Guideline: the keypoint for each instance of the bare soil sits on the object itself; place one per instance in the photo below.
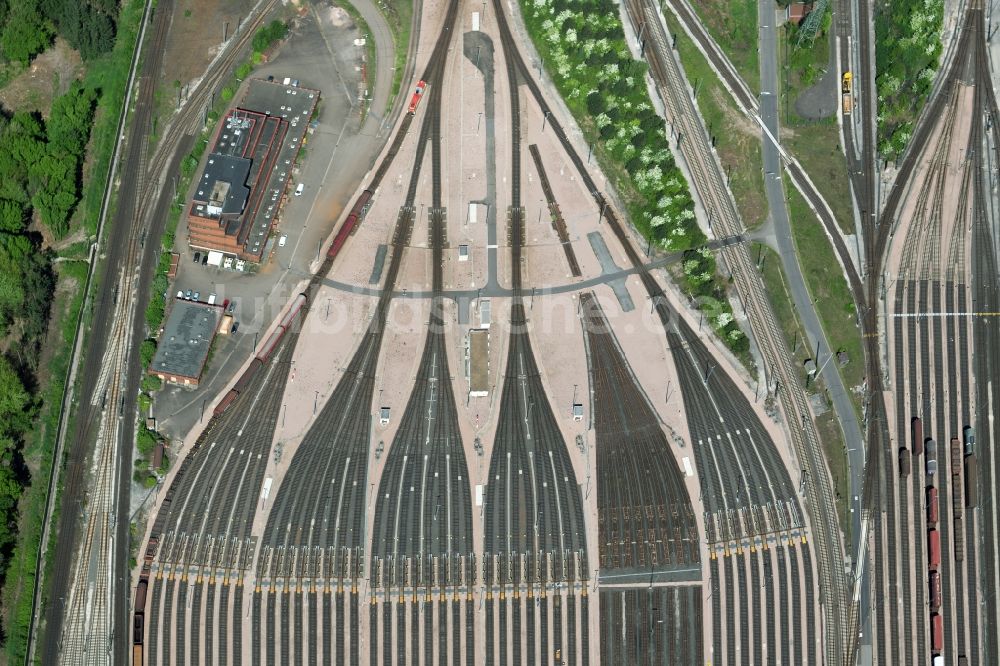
(196, 34)
(49, 76)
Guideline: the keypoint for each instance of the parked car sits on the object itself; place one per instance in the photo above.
(197, 296)
(180, 294)
(204, 259)
(236, 326)
(282, 240)
(197, 257)
(232, 306)
(228, 263)
(187, 295)
(225, 304)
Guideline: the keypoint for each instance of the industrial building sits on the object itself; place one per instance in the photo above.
(187, 337)
(244, 182)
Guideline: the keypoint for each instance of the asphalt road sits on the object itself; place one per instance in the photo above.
(773, 185)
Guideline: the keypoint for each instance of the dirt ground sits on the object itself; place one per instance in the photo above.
(197, 32)
(49, 76)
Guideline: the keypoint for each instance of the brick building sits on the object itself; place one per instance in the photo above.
(245, 178)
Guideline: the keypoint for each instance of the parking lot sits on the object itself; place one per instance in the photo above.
(321, 54)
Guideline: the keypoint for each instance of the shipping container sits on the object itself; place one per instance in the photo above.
(933, 549)
(917, 432)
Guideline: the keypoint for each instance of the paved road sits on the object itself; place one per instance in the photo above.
(773, 185)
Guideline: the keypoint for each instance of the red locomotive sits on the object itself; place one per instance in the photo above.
(416, 96)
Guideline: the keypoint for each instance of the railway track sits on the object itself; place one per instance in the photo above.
(710, 184)
(558, 223)
(84, 630)
(320, 537)
(535, 540)
(422, 534)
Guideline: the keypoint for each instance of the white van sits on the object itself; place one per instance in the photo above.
(299, 189)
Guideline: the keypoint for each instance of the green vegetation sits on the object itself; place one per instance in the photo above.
(816, 143)
(29, 25)
(268, 35)
(38, 448)
(827, 424)
(829, 290)
(370, 53)
(399, 15)
(733, 26)
(907, 54)
(52, 175)
(583, 46)
(737, 140)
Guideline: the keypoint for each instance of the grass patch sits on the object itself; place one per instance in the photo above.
(733, 26)
(816, 143)
(817, 147)
(399, 15)
(828, 288)
(737, 140)
(827, 425)
(39, 448)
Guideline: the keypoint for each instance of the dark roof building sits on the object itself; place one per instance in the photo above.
(242, 187)
(187, 336)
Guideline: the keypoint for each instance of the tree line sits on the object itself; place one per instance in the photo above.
(30, 25)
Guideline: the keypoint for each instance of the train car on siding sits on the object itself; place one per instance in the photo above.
(933, 549)
(417, 94)
(930, 451)
(937, 633)
(140, 596)
(969, 434)
(971, 485)
(935, 590)
(917, 433)
(904, 462)
(293, 312)
(136, 655)
(224, 405)
(932, 506)
(357, 213)
(959, 538)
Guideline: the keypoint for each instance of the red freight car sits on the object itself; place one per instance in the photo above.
(935, 587)
(932, 506)
(933, 548)
(417, 94)
(228, 400)
(937, 633)
(360, 206)
(917, 431)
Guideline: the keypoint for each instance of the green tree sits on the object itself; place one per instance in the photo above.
(26, 33)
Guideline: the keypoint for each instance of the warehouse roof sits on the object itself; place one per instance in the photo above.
(186, 338)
